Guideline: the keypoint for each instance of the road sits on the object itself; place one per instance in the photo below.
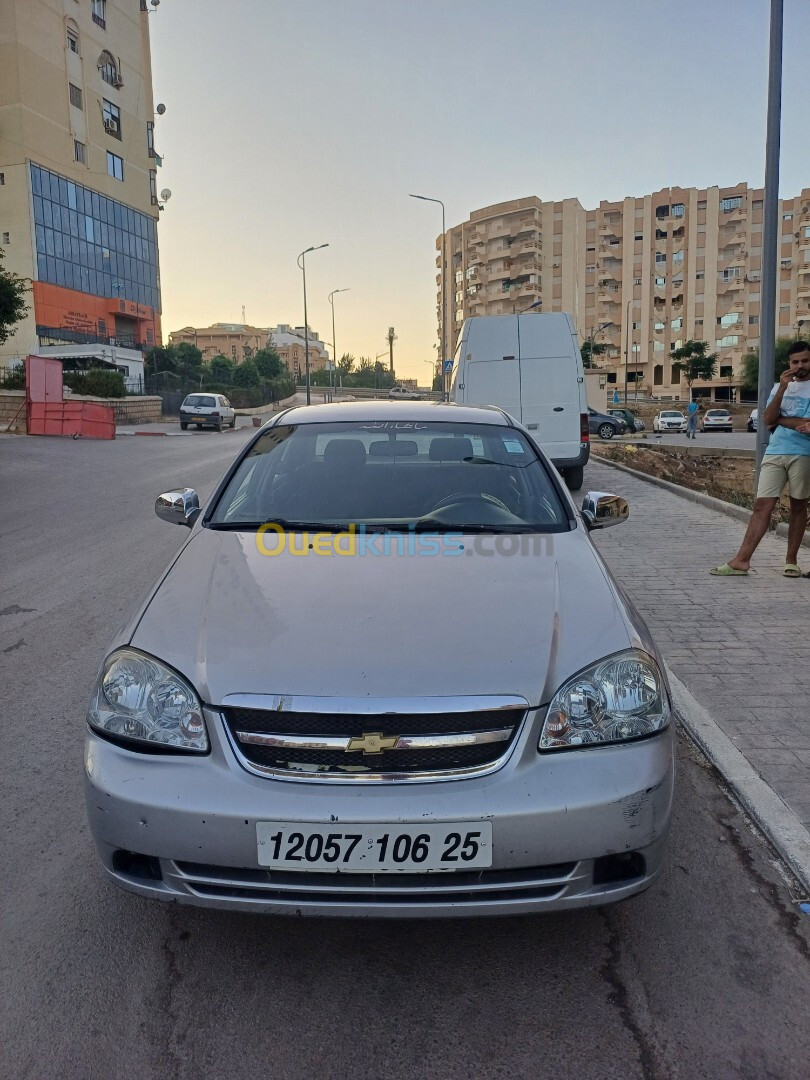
(735, 440)
(706, 975)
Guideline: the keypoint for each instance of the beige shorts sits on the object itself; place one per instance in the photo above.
(778, 470)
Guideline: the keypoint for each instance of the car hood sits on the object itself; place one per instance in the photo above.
(233, 620)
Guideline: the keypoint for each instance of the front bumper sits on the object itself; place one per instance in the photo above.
(191, 822)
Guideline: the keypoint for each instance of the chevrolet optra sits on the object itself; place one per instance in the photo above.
(387, 674)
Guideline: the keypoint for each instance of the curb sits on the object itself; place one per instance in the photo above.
(789, 838)
(709, 501)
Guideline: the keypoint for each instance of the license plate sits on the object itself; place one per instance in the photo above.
(375, 849)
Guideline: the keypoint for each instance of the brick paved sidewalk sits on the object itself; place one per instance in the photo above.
(740, 645)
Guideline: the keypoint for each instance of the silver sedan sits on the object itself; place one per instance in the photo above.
(388, 674)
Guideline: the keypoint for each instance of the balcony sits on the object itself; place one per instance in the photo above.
(97, 19)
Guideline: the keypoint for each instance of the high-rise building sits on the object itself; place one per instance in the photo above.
(78, 177)
(640, 276)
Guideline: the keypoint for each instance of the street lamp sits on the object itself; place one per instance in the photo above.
(334, 347)
(537, 303)
(427, 198)
(593, 333)
(302, 264)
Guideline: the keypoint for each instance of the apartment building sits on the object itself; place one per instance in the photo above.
(237, 341)
(642, 276)
(288, 341)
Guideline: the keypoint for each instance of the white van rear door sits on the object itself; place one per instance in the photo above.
(551, 403)
(493, 382)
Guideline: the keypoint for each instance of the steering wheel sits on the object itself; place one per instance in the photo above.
(460, 498)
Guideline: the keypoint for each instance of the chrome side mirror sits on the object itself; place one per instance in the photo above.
(178, 507)
(601, 509)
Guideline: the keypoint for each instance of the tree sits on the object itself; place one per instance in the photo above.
(13, 307)
(750, 364)
(695, 362)
(346, 364)
(591, 349)
(188, 358)
(268, 363)
(222, 369)
(246, 374)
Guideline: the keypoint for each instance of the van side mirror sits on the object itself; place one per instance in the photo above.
(178, 507)
(601, 509)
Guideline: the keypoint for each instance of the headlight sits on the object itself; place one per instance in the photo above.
(138, 698)
(620, 698)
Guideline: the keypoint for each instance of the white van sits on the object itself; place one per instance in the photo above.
(530, 366)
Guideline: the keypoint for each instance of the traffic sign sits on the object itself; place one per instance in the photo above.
(447, 365)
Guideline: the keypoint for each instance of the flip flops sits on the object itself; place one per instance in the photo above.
(727, 571)
(792, 570)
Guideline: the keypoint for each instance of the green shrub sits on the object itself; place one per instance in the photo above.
(98, 382)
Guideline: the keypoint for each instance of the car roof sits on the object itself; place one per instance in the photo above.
(435, 411)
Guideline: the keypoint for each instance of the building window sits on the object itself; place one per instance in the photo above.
(109, 69)
(730, 203)
(660, 257)
(636, 325)
(75, 96)
(658, 346)
(678, 210)
(658, 375)
(787, 217)
(662, 211)
(756, 204)
(677, 257)
(6, 237)
(726, 371)
(639, 236)
(79, 152)
(636, 348)
(153, 186)
(73, 41)
(674, 375)
(700, 275)
(701, 204)
(729, 320)
(698, 322)
(636, 280)
(99, 11)
(806, 232)
(676, 324)
(660, 282)
(731, 272)
(115, 166)
(753, 320)
(658, 325)
(727, 341)
(112, 118)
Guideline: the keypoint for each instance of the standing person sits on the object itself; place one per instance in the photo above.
(786, 462)
(691, 419)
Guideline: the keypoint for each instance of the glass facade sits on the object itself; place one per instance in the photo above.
(93, 244)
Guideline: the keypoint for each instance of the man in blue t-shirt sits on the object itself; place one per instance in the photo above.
(691, 419)
(786, 463)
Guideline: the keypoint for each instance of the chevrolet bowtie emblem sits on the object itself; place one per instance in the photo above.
(373, 742)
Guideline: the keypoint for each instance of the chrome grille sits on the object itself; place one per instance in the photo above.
(439, 738)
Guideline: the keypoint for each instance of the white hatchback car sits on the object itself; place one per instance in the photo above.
(669, 420)
(403, 393)
(207, 410)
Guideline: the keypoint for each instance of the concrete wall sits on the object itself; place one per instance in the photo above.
(12, 403)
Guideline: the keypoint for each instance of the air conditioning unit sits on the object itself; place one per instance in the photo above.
(111, 127)
(118, 82)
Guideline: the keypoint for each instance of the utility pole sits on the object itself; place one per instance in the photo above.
(628, 324)
(770, 236)
(392, 337)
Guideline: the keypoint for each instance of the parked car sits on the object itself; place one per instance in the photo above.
(717, 420)
(207, 410)
(403, 393)
(752, 420)
(633, 422)
(605, 426)
(669, 420)
(335, 735)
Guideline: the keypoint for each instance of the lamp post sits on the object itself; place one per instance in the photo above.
(537, 303)
(302, 265)
(334, 347)
(427, 198)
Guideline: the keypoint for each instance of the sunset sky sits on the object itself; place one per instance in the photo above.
(296, 124)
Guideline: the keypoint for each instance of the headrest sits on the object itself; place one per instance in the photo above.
(450, 449)
(345, 453)
(398, 448)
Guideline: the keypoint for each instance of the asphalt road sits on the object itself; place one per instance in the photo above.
(706, 975)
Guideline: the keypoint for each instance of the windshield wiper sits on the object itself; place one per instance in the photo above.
(282, 523)
(469, 526)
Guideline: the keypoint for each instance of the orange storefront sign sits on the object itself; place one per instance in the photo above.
(60, 308)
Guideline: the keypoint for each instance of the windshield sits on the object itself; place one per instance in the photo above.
(672, 414)
(200, 400)
(392, 474)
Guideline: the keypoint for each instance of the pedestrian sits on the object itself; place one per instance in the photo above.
(691, 419)
(786, 464)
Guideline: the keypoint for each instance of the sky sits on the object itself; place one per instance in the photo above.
(289, 125)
